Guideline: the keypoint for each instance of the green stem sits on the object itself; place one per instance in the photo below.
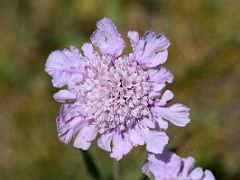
(116, 170)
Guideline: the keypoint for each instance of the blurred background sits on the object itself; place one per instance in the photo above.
(204, 56)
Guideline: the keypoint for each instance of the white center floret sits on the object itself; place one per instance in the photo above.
(116, 93)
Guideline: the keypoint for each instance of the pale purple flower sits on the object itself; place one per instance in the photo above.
(169, 166)
(120, 98)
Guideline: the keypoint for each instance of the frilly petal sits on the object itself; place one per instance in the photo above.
(146, 169)
(92, 56)
(108, 39)
(178, 114)
(161, 123)
(64, 96)
(167, 96)
(80, 143)
(69, 122)
(160, 76)
(66, 67)
(163, 166)
(151, 50)
(121, 146)
(168, 165)
(105, 140)
(197, 173)
(208, 175)
(84, 138)
(135, 137)
(134, 38)
(188, 165)
(155, 141)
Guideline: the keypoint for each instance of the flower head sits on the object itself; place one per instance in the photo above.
(120, 98)
(170, 166)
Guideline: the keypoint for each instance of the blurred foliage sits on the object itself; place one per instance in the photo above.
(204, 56)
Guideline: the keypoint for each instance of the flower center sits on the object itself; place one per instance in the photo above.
(116, 94)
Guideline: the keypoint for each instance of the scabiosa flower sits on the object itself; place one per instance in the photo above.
(120, 98)
(169, 166)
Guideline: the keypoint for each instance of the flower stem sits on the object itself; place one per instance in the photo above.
(116, 170)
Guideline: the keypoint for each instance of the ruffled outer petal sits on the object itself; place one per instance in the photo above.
(136, 137)
(177, 114)
(188, 165)
(90, 54)
(104, 141)
(85, 137)
(64, 96)
(151, 50)
(208, 175)
(155, 140)
(69, 122)
(108, 39)
(160, 76)
(121, 146)
(197, 173)
(189, 172)
(170, 166)
(134, 38)
(162, 166)
(167, 96)
(122, 143)
(66, 67)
